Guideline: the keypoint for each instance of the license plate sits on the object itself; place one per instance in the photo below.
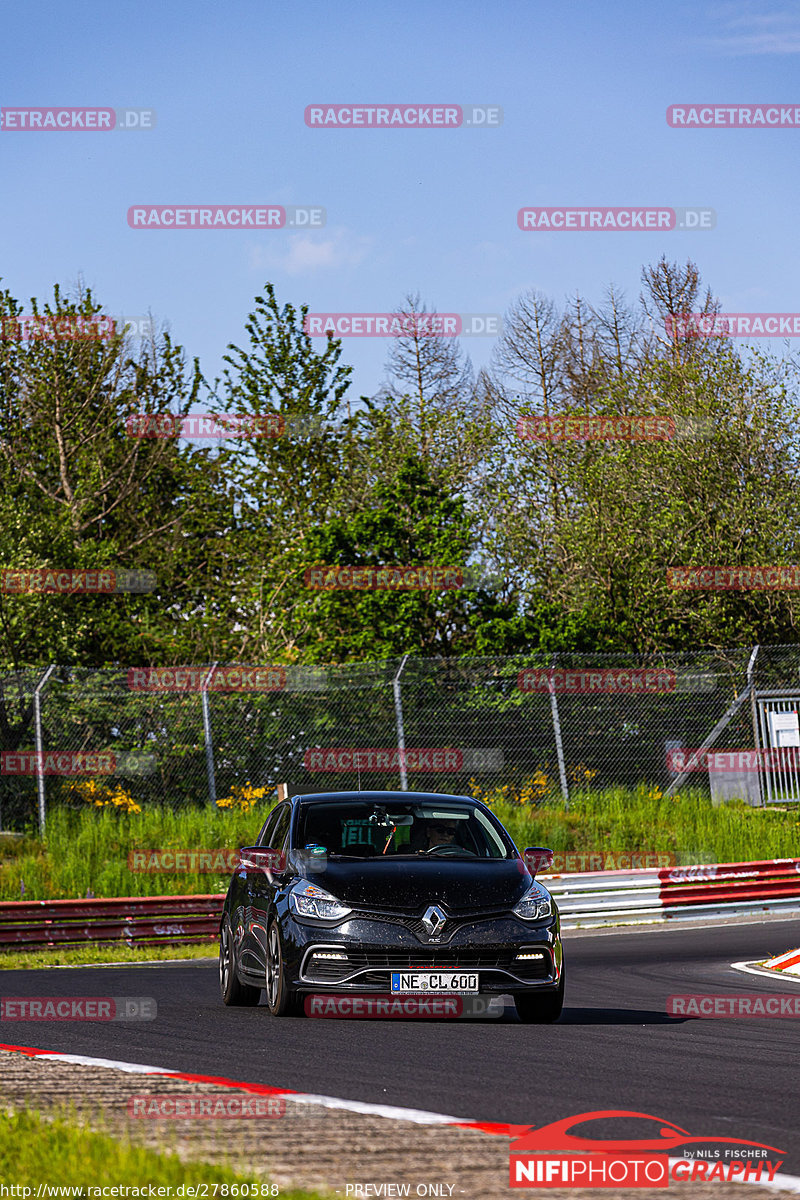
(459, 982)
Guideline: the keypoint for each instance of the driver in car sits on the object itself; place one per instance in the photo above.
(438, 832)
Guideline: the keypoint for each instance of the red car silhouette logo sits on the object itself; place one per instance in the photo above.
(529, 1139)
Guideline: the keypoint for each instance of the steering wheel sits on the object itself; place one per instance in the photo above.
(452, 847)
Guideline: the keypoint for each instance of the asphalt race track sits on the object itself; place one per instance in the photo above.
(614, 1048)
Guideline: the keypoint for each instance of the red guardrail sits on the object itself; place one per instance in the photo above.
(763, 880)
(133, 920)
(172, 920)
(623, 897)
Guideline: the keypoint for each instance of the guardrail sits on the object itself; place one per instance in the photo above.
(597, 898)
(587, 900)
(133, 920)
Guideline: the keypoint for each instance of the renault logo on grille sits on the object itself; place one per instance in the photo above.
(434, 920)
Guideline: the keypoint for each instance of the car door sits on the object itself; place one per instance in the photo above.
(243, 917)
(261, 888)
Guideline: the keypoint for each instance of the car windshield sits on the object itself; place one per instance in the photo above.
(365, 829)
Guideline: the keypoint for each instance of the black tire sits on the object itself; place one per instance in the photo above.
(281, 1000)
(233, 992)
(543, 1008)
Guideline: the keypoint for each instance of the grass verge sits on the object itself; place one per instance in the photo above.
(34, 1151)
(16, 960)
(620, 820)
(87, 850)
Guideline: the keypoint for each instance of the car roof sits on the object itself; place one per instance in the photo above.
(352, 794)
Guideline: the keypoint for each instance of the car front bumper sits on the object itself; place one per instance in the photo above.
(359, 955)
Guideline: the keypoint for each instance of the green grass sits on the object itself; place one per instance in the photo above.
(688, 826)
(58, 1152)
(88, 850)
(76, 956)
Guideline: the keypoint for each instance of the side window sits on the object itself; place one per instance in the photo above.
(282, 828)
(269, 825)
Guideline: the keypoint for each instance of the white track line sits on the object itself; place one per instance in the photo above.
(418, 1116)
(83, 1060)
(752, 968)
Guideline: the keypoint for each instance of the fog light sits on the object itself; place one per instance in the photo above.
(329, 954)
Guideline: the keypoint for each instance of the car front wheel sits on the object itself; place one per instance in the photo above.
(233, 992)
(542, 1008)
(281, 1000)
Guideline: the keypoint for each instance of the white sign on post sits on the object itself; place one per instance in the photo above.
(784, 729)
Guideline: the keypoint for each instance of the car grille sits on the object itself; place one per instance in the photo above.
(373, 965)
(412, 921)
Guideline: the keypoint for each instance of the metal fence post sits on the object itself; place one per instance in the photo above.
(562, 770)
(212, 784)
(401, 737)
(37, 726)
(763, 777)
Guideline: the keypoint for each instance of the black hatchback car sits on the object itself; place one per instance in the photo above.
(397, 893)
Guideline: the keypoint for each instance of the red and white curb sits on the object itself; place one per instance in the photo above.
(418, 1116)
(788, 963)
(784, 966)
(786, 1183)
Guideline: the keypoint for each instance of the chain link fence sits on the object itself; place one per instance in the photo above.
(551, 723)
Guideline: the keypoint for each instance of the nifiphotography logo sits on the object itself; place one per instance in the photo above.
(552, 1156)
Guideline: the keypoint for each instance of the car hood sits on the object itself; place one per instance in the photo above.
(406, 884)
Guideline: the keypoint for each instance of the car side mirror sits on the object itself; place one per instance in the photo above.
(261, 860)
(537, 858)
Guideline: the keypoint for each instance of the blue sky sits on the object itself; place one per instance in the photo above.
(584, 89)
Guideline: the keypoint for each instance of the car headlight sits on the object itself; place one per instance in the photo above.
(535, 905)
(308, 900)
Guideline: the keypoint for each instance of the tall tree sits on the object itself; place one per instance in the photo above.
(78, 489)
(595, 525)
(288, 482)
(408, 520)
